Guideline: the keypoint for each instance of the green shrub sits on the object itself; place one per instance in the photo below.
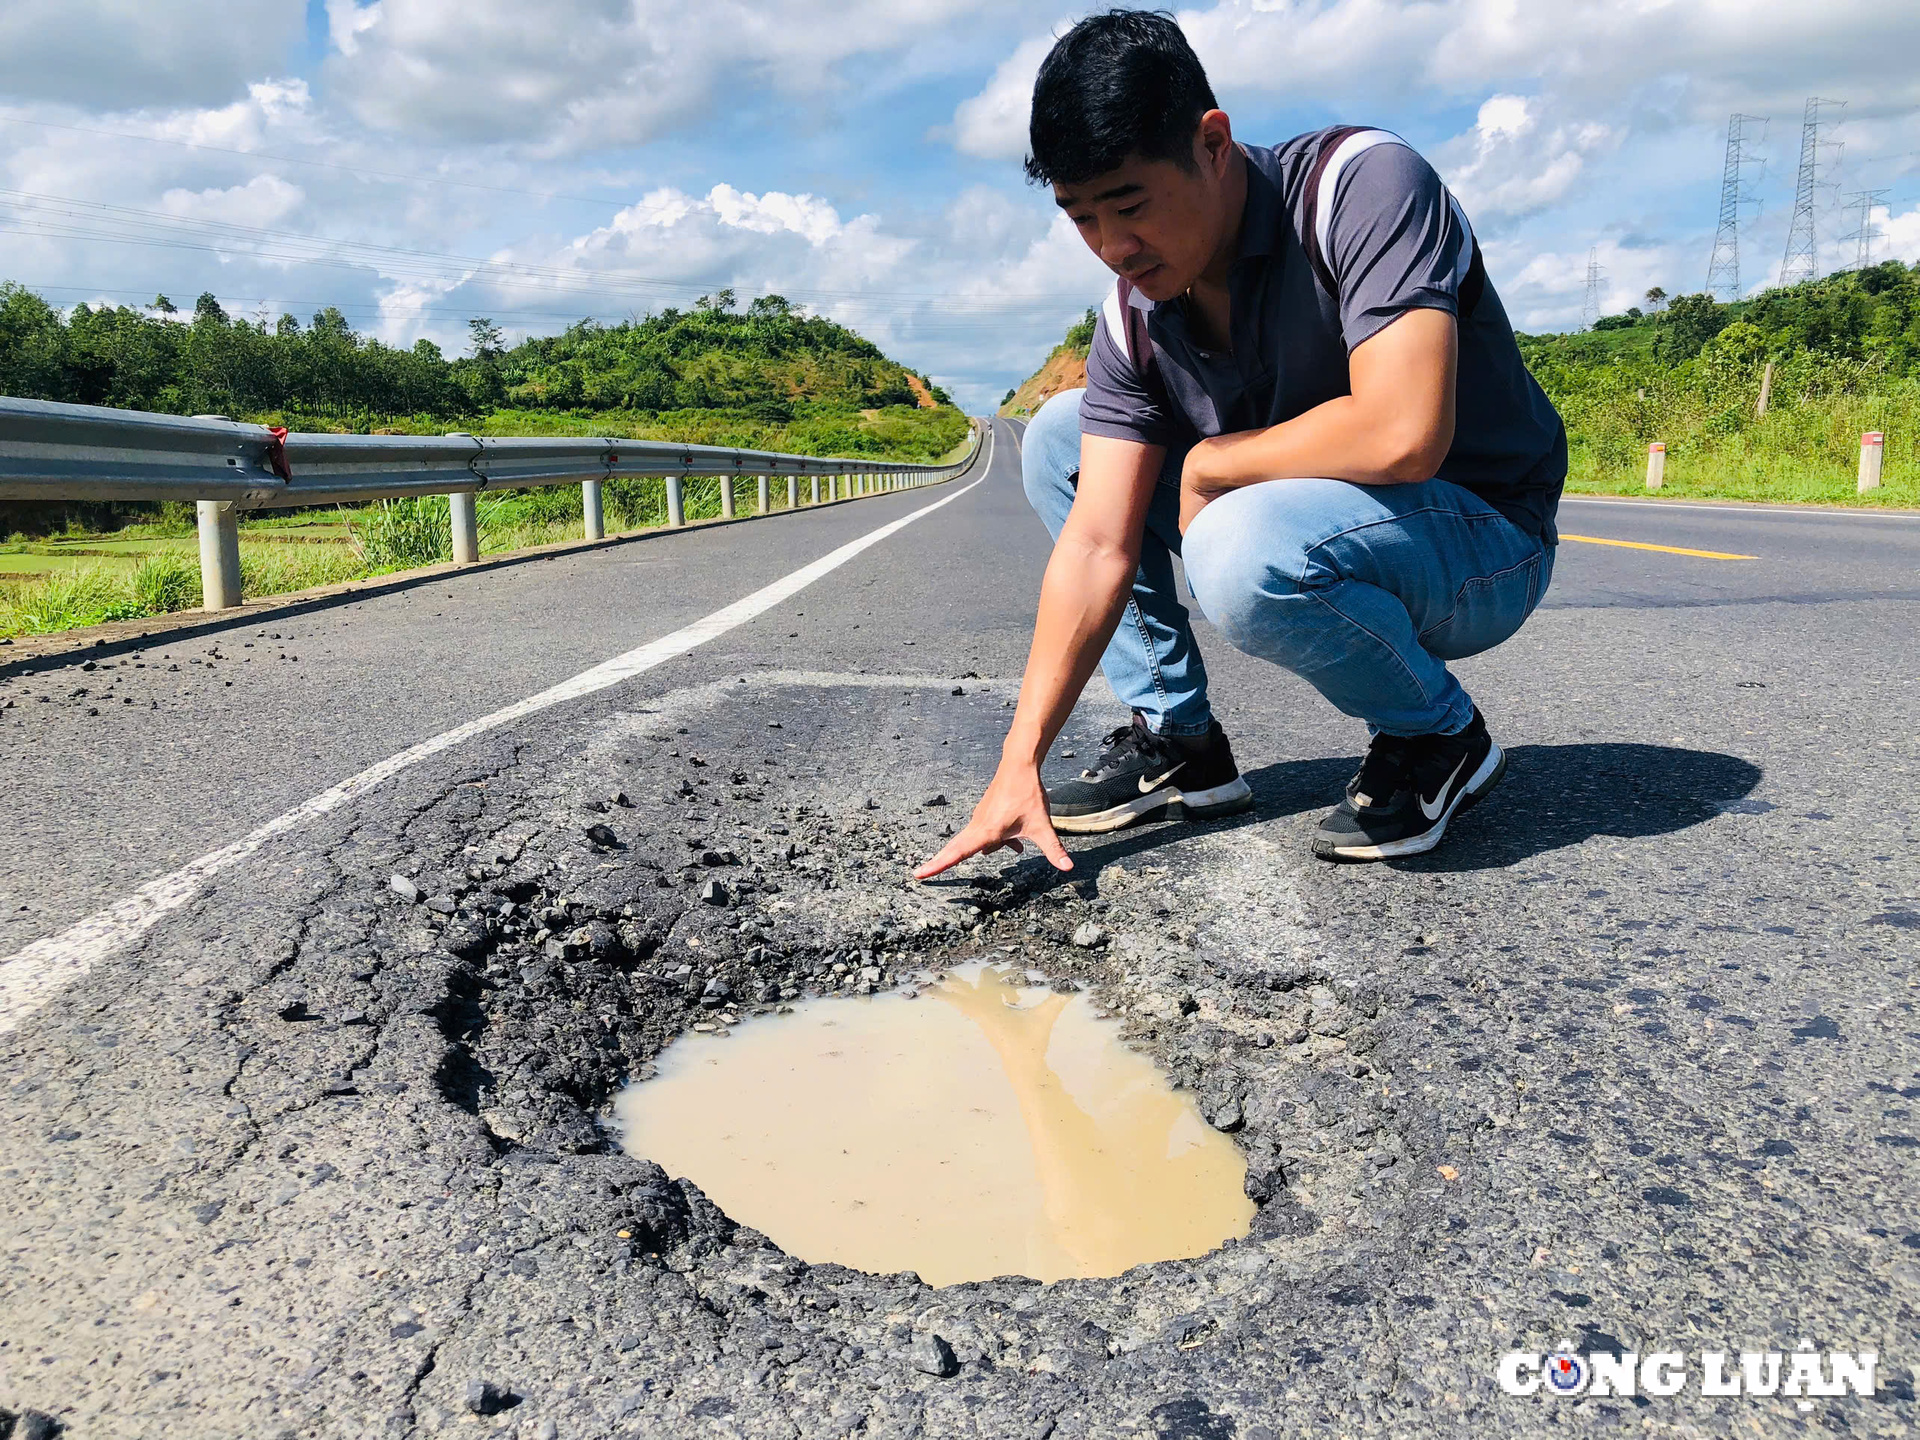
(405, 534)
(65, 599)
(167, 581)
(278, 569)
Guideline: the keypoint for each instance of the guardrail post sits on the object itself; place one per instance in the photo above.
(676, 501)
(466, 527)
(219, 554)
(793, 492)
(816, 491)
(1872, 444)
(590, 507)
(726, 497)
(1656, 465)
(766, 496)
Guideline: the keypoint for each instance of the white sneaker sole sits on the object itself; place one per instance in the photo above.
(1482, 781)
(1236, 795)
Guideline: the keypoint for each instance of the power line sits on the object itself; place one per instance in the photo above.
(1866, 232)
(1723, 269)
(54, 216)
(1802, 259)
(1590, 306)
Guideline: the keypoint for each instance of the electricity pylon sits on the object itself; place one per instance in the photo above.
(1590, 307)
(1802, 259)
(1723, 270)
(1867, 232)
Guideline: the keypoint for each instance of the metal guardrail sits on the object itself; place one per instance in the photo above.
(51, 451)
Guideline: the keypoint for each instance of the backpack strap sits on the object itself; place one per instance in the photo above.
(1127, 323)
(1341, 147)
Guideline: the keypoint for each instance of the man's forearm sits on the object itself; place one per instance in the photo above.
(1081, 597)
(1336, 440)
(1394, 428)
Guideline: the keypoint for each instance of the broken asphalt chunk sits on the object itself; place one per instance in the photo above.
(602, 836)
(406, 889)
(714, 893)
(932, 1355)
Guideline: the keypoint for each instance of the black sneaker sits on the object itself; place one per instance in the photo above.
(1407, 790)
(1141, 774)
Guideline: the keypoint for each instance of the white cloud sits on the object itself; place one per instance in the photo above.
(1546, 290)
(1510, 164)
(993, 124)
(582, 74)
(1763, 49)
(263, 201)
(346, 20)
(126, 53)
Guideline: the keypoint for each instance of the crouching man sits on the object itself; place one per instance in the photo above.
(1303, 385)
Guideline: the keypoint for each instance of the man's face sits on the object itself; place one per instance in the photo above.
(1156, 222)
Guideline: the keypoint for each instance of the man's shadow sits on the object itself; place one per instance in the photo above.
(1553, 796)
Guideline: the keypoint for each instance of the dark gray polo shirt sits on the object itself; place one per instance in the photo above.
(1394, 241)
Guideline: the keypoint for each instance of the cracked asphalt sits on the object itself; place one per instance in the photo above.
(1629, 1063)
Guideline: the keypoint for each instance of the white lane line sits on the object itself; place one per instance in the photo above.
(1761, 510)
(33, 976)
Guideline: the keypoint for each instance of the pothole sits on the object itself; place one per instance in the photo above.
(981, 1126)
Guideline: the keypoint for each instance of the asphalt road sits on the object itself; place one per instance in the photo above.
(1629, 1063)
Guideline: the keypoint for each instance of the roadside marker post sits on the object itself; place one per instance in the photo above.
(466, 527)
(1656, 465)
(1872, 444)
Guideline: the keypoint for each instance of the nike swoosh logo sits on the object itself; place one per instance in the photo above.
(1432, 812)
(1147, 787)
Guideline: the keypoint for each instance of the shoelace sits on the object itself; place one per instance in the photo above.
(1435, 760)
(1383, 773)
(1395, 762)
(1118, 748)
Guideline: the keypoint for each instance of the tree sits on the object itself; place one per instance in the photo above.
(164, 305)
(769, 307)
(486, 338)
(1656, 297)
(1689, 323)
(207, 309)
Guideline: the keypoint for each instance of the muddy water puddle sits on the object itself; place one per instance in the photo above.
(987, 1127)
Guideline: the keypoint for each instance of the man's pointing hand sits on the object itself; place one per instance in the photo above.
(1013, 809)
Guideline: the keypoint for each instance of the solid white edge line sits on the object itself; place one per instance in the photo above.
(1762, 510)
(31, 977)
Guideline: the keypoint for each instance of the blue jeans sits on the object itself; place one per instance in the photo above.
(1364, 591)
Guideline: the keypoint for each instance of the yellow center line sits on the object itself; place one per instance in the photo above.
(1664, 549)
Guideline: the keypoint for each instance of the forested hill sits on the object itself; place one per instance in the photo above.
(1065, 368)
(713, 372)
(1835, 357)
(1870, 317)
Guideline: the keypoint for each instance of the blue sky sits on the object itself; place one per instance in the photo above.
(863, 156)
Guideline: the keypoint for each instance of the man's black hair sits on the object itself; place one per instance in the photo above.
(1117, 85)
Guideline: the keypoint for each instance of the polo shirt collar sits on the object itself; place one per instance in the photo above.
(1260, 220)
